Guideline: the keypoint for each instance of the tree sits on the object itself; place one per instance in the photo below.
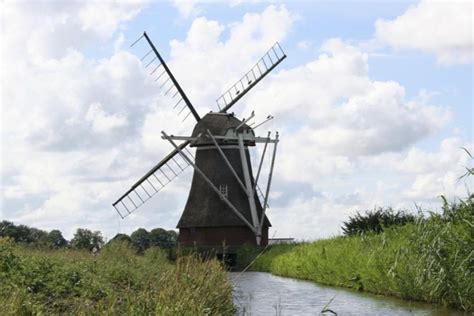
(38, 237)
(6, 228)
(86, 239)
(31, 235)
(121, 237)
(162, 238)
(140, 239)
(55, 239)
(20, 233)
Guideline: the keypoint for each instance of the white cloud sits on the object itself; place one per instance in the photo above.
(408, 180)
(234, 3)
(422, 176)
(53, 113)
(186, 7)
(101, 121)
(104, 18)
(450, 155)
(206, 64)
(315, 216)
(304, 45)
(119, 43)
(37, 31)
(332, 113)
(435, 173)
(66, 113)
(443, 28)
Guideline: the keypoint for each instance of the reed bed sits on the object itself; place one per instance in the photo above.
(115, 281)
(430, 260)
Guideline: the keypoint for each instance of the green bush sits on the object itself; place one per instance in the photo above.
(376, 221)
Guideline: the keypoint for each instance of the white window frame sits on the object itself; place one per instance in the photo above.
(224, 190)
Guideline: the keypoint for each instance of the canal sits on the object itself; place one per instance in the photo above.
(259, 293)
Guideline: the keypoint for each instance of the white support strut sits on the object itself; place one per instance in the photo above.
(245, 121)
(269, 180)
(253, 139)
(261, 162)
(248, 184)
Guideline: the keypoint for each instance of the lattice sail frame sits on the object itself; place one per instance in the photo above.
(272, 58)
(150, 185)
(166, 81)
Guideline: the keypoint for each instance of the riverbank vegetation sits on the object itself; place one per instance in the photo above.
(113, 281)
(424, 258)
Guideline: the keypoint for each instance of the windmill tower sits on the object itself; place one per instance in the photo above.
(225, 203)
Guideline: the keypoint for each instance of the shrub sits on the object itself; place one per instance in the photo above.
(87, 240)
(376, 221)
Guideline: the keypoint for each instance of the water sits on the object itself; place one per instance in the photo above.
(259, 293)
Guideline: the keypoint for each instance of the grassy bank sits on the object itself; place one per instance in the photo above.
(115, 281)
(430, 260)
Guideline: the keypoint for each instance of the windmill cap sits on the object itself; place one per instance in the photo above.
(219, 124)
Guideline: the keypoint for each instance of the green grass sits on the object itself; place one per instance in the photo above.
(431, 260)
(115, 281)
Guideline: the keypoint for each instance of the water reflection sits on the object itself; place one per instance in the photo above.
(258, 293)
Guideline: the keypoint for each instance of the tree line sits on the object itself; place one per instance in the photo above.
(86, 239)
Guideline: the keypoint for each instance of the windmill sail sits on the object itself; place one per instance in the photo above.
(152, 182)
(263, 67)
(166, 80)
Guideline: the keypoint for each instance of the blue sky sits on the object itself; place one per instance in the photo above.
(373, 104)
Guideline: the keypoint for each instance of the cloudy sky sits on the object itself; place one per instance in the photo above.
(372, 104)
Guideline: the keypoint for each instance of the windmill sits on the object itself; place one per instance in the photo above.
(225, 203)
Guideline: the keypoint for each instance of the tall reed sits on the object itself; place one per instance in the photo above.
(430, 260)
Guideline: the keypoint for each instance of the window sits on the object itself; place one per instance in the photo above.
(223, 190)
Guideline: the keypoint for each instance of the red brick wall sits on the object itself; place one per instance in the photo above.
(215, 236)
